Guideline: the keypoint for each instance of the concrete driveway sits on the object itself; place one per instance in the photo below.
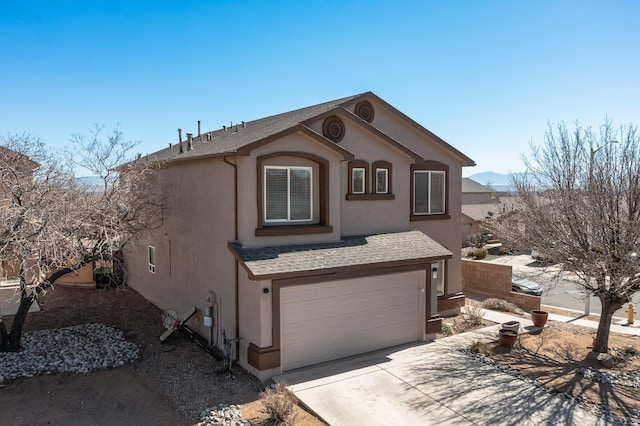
(428, 384)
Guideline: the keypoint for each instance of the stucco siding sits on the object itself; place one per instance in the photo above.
(375, 216)
(247, 191)
(193, 263)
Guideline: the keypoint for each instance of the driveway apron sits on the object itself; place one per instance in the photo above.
(428, 384)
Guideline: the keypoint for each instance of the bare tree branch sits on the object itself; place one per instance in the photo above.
(579, 204)
(51, 225)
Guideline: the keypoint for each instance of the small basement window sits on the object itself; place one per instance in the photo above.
(152, 259)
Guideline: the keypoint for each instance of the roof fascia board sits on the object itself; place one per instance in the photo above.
(372, 96)
(367, 126)
(298, 128)
(320, 272)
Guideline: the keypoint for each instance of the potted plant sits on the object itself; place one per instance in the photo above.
(511, 325)
(507, 338)
(539, 317)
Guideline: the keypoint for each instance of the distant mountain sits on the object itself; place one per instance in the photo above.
(497, 181)
(94, 184)
(491, 178)
(89, 180)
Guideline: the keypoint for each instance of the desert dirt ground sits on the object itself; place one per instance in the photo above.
(171, 383)
(555, 356)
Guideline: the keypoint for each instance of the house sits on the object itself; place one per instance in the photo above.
(14, 166)
(476, 193)
(479, 202)
(307, 236)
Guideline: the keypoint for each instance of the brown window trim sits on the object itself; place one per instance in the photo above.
(355, 164)
(374, 178)
(435, 166)
(369, 197)
(427, 217)
(322, 226)
(370, 181)
(275, 231)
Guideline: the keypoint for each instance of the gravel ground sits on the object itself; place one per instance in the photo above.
(179, 376)
(75, 349)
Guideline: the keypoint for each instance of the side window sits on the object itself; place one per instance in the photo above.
(152, 259)
(429, 192)
(429, 184)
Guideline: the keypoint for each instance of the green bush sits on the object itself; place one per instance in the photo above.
(495, 304)
(480, 253)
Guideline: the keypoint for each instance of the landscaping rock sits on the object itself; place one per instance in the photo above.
(76, 349)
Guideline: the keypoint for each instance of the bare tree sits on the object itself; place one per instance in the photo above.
(579, 205)
(52, 225)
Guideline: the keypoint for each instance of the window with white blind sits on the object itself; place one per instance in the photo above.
(288, 194)
(429, 192)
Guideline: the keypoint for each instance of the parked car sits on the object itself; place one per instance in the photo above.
(540, 256)
(523, 285)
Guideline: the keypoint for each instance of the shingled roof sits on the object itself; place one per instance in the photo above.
(380, 250)
(232, 139)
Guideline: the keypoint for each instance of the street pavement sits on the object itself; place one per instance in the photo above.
(563, 292)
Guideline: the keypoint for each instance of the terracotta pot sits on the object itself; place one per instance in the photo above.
(539, 318)
(511, 325)
(507, 338)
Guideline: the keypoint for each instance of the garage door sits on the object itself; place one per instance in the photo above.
(330, 320)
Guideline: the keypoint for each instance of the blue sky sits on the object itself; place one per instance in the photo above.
(486, 76)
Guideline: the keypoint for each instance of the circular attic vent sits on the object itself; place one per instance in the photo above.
(364, 110)
(333, 128)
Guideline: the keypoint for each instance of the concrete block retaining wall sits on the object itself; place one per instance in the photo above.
(494, 280)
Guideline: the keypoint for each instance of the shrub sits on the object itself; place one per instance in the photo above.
(480, 253)
(478, 347)
(278, 404)
(501, 305)
(446, 329)
(503, 250)
(474, 314)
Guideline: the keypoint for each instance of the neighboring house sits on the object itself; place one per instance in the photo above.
(479, 203)
(311, 235)
(477, 193)
(13, 163)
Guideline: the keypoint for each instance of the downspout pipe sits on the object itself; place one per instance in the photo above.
(235, 237)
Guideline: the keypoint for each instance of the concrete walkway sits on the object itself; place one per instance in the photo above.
(430, 384)
(618, 326)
